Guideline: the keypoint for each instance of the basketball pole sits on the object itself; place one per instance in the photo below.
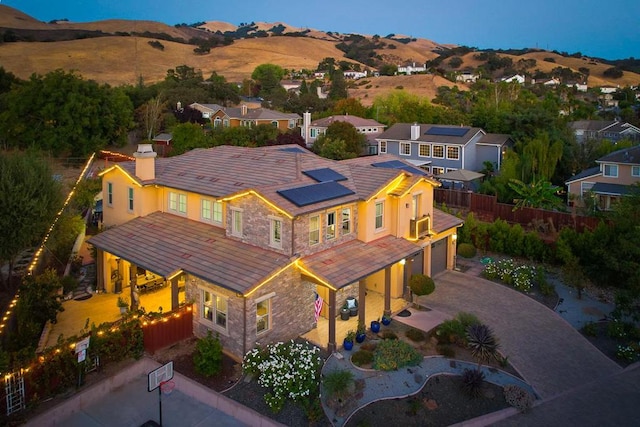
(160, 402)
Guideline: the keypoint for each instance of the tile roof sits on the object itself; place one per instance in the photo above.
(225, 171)
(402, 132)
(443, 221)
(349, 262)
(165, 243)
(594, 171)
(629, 156)
(354, 120)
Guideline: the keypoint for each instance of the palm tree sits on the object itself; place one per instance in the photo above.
(482, 342)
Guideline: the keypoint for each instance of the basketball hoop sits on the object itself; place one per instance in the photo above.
(167, 387)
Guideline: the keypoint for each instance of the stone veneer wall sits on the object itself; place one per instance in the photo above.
(256, 223)
(292, 312)
(301, 233)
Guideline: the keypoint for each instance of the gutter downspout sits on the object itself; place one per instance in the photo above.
(244, 329)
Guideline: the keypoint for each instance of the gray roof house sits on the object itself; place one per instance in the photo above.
(604, 129)
(371, 129)
(443, 148)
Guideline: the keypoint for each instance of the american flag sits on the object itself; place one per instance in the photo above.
(318, 306)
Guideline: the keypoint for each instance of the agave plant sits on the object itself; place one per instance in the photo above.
(482, 342)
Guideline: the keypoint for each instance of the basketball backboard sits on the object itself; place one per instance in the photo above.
(160, 375)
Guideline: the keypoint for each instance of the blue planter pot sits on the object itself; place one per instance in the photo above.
(360, 338)
(375, 326)
(348, 345)
(386, 321)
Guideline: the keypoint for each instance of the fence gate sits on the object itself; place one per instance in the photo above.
(14, 391)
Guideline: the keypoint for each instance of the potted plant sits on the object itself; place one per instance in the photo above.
(375, 326)
(123, 303)
(360, 333)
(348, 340)
(386, 320)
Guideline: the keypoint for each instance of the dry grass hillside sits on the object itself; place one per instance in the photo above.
(422, 85)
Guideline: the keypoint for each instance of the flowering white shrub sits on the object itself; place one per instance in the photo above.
(506, 270)
(289, 370)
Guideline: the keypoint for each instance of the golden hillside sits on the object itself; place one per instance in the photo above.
(423, 85)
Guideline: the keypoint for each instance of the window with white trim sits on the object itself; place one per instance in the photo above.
(635, 170)
(217, 212)
(314, 230)
(263, 315)
(236, 222)
(331, 225)
(178, 202)
(205, 210)
(346, 221)
(453, 152)
(274, 123)
(313, 133)
(415, 206)
(424, 150)
(610, 171)
(214, 309)
(383, 147)
(225, 123)
(438, 151)
(275, 233)
(379, 215)
(130, 199)
(109, 193)
(437, 170)
(405, 148)
(217, 122)
(292, 123)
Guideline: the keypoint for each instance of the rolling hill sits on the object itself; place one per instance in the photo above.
(118, 52)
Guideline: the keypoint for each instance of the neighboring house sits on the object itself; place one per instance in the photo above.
(608, 181)
(612, 130)
(546, 81)
(580, 86)
(291, 85)
(252, 236)
(440, 148)
(162, 144)
(354, 75)
(518, 78)
(467, 77)
(608, 89)
(368, 127)
(409, 69)
(247, 117)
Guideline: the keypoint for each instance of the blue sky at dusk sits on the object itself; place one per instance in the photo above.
(608, 30)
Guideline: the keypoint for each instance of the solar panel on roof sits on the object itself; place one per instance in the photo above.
(325, 175)
(397, 164)
(310, 194)
(446, 131)
(292, 150)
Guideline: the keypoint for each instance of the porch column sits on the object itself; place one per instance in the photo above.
(362, 297)
(387, 291)
(174, 293)
(133, 283)
(331, 345)
(100, 270)
(406, 275)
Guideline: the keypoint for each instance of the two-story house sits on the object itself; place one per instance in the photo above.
(608, 181)
(441, 148)
(371, 129)
(249, 117)
(613, 130)
(253, 236)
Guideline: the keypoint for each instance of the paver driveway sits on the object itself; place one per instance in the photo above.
(550, 354)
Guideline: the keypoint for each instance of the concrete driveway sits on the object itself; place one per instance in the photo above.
(548, 352)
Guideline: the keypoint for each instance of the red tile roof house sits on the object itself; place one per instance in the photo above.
(251, 236)
(608, 181)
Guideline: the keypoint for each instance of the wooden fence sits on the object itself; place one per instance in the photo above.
(168, 329)
(487, 208)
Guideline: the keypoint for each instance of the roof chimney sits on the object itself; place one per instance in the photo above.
(306, 122)
(415, 131)
(243, 110)
(145, 162)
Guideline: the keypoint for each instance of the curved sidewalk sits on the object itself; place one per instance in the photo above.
(381, 385)
(548, 352)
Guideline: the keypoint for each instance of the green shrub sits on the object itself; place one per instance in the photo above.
(69, 284)
(466, 250)
(446, 350)
(362, 357)
(207, 358)
(450, 332)
(390, 355)
(389, 335)
(467, 319)
(590, 329)
(415, 335)
(421, 284)
(337, 383)
(517, 397)
(472, 380)
(369, 346)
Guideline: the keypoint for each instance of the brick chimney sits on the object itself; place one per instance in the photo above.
(145, 162)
